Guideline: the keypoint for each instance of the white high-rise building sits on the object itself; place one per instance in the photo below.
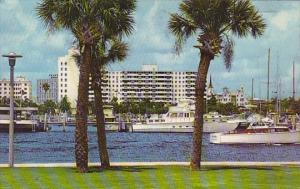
(52, 93)
(68, 77)
(158, 86)
(147, 83)
(22, 88)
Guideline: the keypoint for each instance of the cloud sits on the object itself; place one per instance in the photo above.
(283, 19)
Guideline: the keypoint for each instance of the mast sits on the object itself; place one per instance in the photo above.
(252, 96)
(294, 92)
(268, 83)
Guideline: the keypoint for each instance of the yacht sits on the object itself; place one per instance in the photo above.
(181, 118)
(258, 133)
(24, 121)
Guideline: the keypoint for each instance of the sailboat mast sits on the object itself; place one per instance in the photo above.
(294, 92)
(268, 83)
(252, 95)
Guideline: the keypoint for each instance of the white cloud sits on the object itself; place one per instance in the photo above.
(283, 19)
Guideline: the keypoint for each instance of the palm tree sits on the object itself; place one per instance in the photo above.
(117, 52)
(65, 105)
(86, 20)
(46, 88)
(212, 22)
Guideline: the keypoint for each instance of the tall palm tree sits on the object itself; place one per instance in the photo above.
(213, 22)
(46, 88)
(107, 51)
(86, 20)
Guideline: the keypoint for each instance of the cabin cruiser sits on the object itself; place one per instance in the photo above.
(257, 133)
(24, 121)
(181, 118)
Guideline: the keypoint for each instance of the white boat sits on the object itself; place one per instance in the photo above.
(257, 134)
(181, 119)
(24, 120)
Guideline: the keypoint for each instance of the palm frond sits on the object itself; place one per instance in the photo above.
(227, 52)
(246, 19)
(118, 51)
(182, 28)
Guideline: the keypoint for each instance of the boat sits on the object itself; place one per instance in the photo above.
(181, 118)
(258, 133)
(25, 120)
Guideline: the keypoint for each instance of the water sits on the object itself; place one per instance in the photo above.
(58, 146)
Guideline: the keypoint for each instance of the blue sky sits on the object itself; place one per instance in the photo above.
(151, 43)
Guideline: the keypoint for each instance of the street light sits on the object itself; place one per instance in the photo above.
(12, 61)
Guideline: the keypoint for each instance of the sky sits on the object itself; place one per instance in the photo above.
(21, 31)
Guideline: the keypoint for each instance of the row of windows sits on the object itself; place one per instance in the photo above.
(4, 88)
(15, 84)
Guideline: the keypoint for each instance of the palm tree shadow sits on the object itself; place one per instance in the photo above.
(132, 169)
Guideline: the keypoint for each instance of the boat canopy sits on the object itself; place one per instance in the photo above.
(242, 126)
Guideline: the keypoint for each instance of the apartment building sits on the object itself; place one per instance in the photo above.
(22, 88)
(136, 85)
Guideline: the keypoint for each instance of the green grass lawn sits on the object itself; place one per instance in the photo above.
(151, 177)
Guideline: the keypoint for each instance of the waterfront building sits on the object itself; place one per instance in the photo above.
(149, 83)
(136, 85)
(22, 88)
(238, 97)
(68, 77)
(52, 93)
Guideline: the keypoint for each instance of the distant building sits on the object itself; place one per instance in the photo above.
(22, 88)
(158, 86)
(236, 97)
(68, 77)
(52, 93)
(147, 83)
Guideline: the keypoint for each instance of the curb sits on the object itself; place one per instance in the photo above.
(129, 164)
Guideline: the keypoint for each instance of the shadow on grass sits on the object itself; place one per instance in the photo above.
(236, 168)
(98, 169)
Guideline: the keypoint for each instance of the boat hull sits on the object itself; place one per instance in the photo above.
(183, 127)
(256, 138)
(21, 126)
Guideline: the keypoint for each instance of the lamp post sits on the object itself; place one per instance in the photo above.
(12, 61)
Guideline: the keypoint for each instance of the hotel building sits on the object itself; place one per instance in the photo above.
(147, 83)
(22, 88)
(52, 93)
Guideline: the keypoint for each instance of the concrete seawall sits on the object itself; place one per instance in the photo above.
(204, 164)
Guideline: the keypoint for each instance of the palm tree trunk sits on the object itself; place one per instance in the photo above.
(100, 119)
(81, 140)
(200, 108)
